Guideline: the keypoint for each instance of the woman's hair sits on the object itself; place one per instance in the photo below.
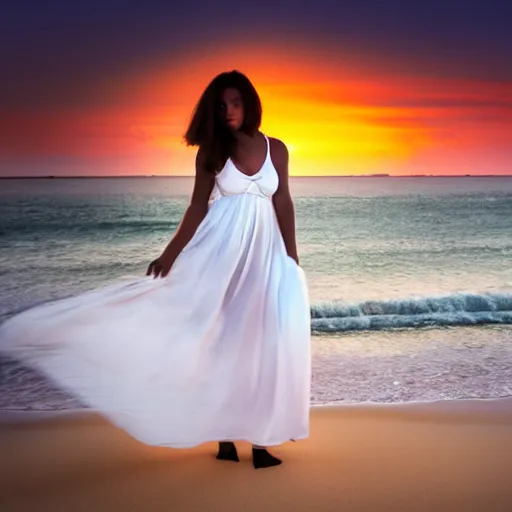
(206, 128)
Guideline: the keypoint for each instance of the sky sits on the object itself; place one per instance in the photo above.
(355, 87)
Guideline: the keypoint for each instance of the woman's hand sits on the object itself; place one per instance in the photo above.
(160, 267)
(295, 257)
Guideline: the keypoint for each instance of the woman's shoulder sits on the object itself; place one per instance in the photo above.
(278, 148)
(278, 155)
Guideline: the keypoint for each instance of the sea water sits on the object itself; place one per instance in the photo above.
(381, 254)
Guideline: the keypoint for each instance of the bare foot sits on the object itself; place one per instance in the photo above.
(227, 451)
(262, 459)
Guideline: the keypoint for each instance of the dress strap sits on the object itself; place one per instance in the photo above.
(268, 148)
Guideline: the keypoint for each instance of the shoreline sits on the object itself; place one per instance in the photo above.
(461, 409)
(352, 369)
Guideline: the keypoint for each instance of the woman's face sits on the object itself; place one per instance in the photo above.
(232, 108)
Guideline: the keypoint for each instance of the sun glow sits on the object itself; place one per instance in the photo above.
(334, 118)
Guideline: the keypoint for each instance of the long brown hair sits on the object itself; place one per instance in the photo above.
(206, 128)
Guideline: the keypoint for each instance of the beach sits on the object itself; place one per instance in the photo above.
(381, 439)
(442, 456)
(411, 398)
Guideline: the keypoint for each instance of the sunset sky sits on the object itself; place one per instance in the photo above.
(355, 87)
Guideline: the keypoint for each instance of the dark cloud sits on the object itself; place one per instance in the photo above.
(62, 52)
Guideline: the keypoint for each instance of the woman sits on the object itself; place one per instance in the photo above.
(218, 347)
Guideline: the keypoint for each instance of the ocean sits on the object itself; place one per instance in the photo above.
(381, 254)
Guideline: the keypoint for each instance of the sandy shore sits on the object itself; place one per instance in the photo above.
(444, 456)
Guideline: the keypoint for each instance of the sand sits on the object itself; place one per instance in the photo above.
(443, 456)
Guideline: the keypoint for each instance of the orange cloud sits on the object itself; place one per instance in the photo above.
(333, 120)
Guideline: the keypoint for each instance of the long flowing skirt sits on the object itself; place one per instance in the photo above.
(219, 349)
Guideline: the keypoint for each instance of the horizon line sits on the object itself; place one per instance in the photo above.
(52, 176)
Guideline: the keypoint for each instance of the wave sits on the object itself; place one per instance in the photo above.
(451, 310)
(68, 228)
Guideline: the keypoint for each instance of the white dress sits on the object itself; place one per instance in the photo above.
(219, 349)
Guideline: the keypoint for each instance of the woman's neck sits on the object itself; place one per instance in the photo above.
(244, 140)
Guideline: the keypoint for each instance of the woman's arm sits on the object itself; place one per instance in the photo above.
(282, 199)
(192, 218)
